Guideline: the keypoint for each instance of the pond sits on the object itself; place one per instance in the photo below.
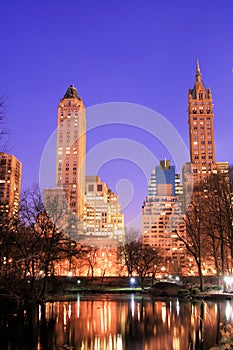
(117, 322)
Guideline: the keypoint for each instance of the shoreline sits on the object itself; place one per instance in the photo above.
(72, 294)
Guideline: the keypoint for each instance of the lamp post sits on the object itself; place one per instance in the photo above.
(163, 269)
(132, 281)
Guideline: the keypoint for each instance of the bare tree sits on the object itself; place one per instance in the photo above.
(219, 218)
(12, 284)
(90, 259)
(8, 227)
(140, 259)
(50, 239)
(194, 238)
(128, 255)
(209, 229)
(3, 130)
(147, 262)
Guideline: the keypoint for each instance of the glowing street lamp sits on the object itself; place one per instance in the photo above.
(132, 281)
(229, 282)
(163, 269)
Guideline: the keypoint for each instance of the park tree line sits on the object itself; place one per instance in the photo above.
(38, 238)
(209, 226)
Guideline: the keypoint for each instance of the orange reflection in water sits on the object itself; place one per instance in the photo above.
(131, 322)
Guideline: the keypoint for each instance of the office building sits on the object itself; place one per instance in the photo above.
(71, 150)
(10, 183)
(162, 217)
(201, 138)
(201, 127)
(104, 220)
(164, 180)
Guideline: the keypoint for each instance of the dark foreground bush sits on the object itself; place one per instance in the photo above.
(194, 291)
(188, 292)
(212, 288)
(184, 293)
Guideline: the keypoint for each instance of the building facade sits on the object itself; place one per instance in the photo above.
(10, 183)
(164, 180)
(201, 138)
(162, 217)
(95, 206)
(71, 149)
(201, 127)
(103, 214)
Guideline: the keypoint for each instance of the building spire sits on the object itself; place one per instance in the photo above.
(198, 71)
(71, 92)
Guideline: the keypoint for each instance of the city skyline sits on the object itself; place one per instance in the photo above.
(112, 53)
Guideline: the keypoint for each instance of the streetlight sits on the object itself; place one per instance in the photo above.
(132, 281)
(163, 269)
(229, 282)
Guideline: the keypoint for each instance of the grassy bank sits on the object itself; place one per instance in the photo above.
(185, 289)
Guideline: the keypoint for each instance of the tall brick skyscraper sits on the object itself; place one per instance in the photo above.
(71, 149)
(201, 128)
(201, 137)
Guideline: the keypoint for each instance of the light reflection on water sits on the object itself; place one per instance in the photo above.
(125, 322)
(228, 311)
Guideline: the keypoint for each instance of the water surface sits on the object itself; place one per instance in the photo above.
(123, 322)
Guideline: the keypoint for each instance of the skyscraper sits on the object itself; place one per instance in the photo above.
(71, 149)
(164, 180)
(103, 215)
(201, 137)
(97, 209)
(10, 183)
(201, 128)
(161, 216)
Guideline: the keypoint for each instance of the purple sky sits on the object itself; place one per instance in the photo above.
(141, 52)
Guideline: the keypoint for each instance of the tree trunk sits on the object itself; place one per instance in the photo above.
(42, 294)
(33, 277)
(216, 262)
(223, 264)
(142, 278)
(200, 275)
(92, 272)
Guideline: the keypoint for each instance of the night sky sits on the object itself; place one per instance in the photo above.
(140, 52)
